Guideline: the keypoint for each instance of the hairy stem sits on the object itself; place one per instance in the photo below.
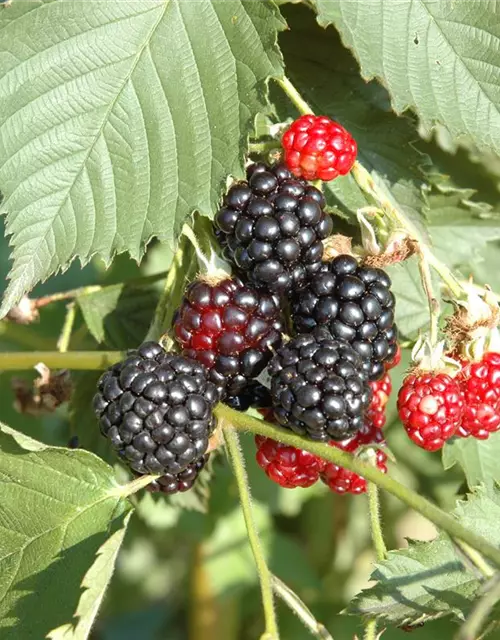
(370, 630)
(81, 360)
(294, 95)
(293, 601)
(482, 609)
(434, 308)
(430, 511)
(375, 522)
(238, 464)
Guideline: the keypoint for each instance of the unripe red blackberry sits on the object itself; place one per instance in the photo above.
(272, 226)
(230, 328)
(480, 386)
(156, 409)
(317, 148)
(318, 387)
(357, 306)
(171, 483)
(381, 390)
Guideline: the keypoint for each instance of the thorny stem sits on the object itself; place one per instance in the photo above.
(69, 321)
(430, 511)
(238, 464)
(293, 601)
(376, 525)
(370, 630)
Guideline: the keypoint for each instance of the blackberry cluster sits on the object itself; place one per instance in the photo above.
(156, 408)
(357, 305)
(254, 395)
(171, 483)
(272, 227)
(230, 328)
(318, 387)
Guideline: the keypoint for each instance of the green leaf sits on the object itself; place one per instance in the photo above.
(460, 228)
(95, 583)
(119, 119)
(328, 78)
(477, 458)
(58, 507)
(428, 579)
(439, 58)
(119, 315)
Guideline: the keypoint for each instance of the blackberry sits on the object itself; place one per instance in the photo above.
(179, 482)
(318, 387)
(357, 305)
(255, 395)
(272, 227)
(230, 328)
(156, 408)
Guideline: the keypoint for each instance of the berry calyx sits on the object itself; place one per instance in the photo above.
(318, 387)
(381, 390)
(287, 466)
(317, 148)
(171, 483)
(357, 305)
(230, 328)
(341, 480)
(271, 228)
(156, 409)
(430, 405)
(480, 386)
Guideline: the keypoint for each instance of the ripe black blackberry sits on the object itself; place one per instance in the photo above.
(230, 328)
(156, 408)
(318, 387)
(171, 483)
(357, 305)
(272, 227)
(254, 395)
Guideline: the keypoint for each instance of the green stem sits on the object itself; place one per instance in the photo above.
(370, 630)
(445, 521)
(125, 490)
(293, 601)
(69, 322)
(376, 525)
(434, 308)
(81, 360)
(294, 96)
(474, 561)
(482, 609)
(263, 148)
(238, 464)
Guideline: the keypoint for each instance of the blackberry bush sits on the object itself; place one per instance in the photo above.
(272, 226)
(156, 409)
(318, 386)
(357, 305)
(230, 328)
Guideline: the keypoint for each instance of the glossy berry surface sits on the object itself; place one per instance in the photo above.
(254, 395)
(480, 385)
(171, 483)
(381, 390)
(391, 364)
(341, 480)
(430, 406)
(230, 328)
(318, 387)
(287, 466)
(357, 305)
(317, 148)
(156, 409)
(271, 228)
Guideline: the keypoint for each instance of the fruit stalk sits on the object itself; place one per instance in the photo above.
(430, 511)
(238, 464)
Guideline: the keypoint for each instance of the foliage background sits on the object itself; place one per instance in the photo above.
(186, 574)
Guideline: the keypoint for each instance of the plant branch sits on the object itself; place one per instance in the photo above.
(293, 601)
(481, 610)
(81, 360)
(128, 489)
(441, 519)
(238, 464)
(294, 95)
(375, 523)
(433, 302)
(370, 630)
(69, 321)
